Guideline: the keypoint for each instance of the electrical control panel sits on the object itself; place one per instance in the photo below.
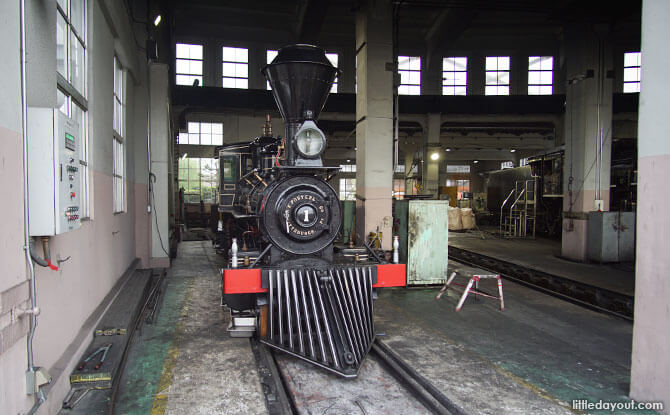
(54, 172)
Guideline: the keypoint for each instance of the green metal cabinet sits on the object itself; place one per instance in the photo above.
(427, 241)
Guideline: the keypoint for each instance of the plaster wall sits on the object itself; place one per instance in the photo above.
(650, 371)
(104, 247)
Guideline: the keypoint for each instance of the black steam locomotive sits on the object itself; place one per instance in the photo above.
(278, 220)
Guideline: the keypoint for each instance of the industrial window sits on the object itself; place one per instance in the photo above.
(409, 68)
(454, 75)
(506, 165)
(119, 125)
(453, 168)
(632, 61)
(271, 54)
(400, 168)
(203, 133)
(348, 189)
(333, 58)
(235, 68)
(540, 75)
(189, 64)
(497, 75)
(71, 55)
(523, 161)
(461, 186)
(198, 177)
(347, 168)
(398, 188)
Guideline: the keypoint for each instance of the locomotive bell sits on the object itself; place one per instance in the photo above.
(301, 77)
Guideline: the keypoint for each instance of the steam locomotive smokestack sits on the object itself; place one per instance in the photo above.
(300, 77)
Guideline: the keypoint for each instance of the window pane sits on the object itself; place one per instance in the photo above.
(403, 62)
(491, 63)
(77, 65)
(533, 78)
(271, 54)
(460, 90)
(545, 90)
(193, 127)
(631, 74)
(241, 83)
(217, 139)
(61, 45)
(448, 64)
(228, 69)
(545, 78)
(547, 63)
(460, 78)
(491, 78)
(195, 67)
(195, 52)
(63, 5)
(64, 102)
(182, 66)
(77, 16)
(217, 128)
(182, 139)
(241, 70)
(534, 63)
(332, 57)
(631, 59)
(631, 87)
(503, 63)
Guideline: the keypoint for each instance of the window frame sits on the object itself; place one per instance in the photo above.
(333, 58)
(185, 138)
(345, 194)
(541, 87)
(235, 64)
(119, 202)
(192, 75)
(498, 71)
(451, 68)
(409, 69)
(212, 182)
(72, 95)
(638, 70)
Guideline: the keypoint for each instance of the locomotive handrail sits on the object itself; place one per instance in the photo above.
(501, 209)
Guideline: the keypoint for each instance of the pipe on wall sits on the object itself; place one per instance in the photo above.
(40, 397)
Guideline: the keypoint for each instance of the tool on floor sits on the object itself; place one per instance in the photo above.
(74, 396)
(110, 332)
(474, 280)
(103, 349)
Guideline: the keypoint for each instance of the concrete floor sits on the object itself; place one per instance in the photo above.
(543, 254)
(533, 358)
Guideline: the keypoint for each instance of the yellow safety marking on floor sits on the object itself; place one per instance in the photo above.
(160, 398)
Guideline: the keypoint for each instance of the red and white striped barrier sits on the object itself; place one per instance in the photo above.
(474, 280)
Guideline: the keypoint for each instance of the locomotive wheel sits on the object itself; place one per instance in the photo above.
(301, 215)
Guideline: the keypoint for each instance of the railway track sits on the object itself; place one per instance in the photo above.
(386, 384)
(585, 295)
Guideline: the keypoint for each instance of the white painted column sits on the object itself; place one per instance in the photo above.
(650, 371)
(374, 116)
(432, 167)
(588, 134)
(160, 157)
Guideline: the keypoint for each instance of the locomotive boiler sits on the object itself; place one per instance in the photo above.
(286, 282)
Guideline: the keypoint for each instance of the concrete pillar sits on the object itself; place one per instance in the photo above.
(374, 116)
(160, 158)
(588, 132)
(432, 172)
(650, 366)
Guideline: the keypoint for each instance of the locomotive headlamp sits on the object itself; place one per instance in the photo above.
(310, 141)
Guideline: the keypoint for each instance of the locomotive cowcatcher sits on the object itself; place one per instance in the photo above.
(278, 220)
